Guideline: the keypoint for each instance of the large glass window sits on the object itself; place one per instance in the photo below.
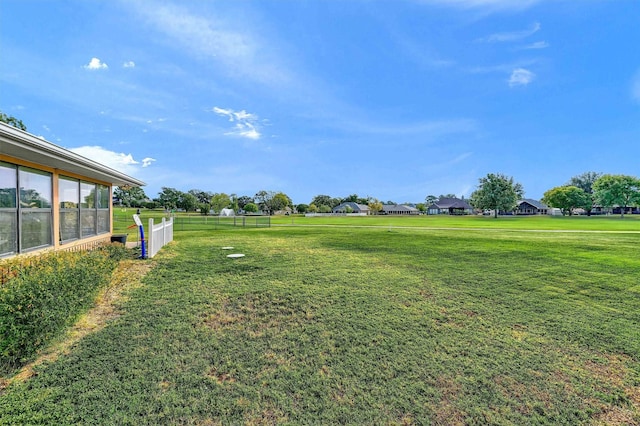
(69, 199)
(88, 214)
(35, 208)
(35, 229)
(35, 188)
(84, 209)
(26, 198)
(104, 214)
(8, 209)
(8, 185)
(8, 232)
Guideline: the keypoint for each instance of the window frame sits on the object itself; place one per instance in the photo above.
(68, 210)
(12, 210)
(23, 211)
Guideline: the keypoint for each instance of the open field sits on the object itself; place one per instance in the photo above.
(574, 223)
(195, 221)
(379, 324)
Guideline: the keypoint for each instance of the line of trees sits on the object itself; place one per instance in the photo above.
(594, 189)
(495, 192)
(498, 192)
(204, 201)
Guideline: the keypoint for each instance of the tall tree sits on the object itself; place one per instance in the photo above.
(220, 201)
(233, 205)
(270, 201)
(430, 199)
(188, 202)
(130, 196)
(250, 208)
(325, 200)
(169, 197)
(353, 198)
(566, 198)
(281, 201)
(244, 200)
(496, 192)
(375, 206)
(203, 197)
(585, 182)
(617, 190)
(263, 200)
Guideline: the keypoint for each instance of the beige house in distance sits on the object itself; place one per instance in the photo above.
(52, 198)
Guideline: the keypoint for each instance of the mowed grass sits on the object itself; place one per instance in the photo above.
(343, 325)
(605, 223)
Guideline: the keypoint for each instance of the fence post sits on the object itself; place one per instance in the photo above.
(163, 239)
(151, 240)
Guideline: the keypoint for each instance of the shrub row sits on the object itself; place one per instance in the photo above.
(46, 296)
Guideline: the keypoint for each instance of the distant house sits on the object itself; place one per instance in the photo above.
(351, 207)
(529, 206)
(615, 210)
(399, 209)
(286, 211)
(453, 206)
(52, 198)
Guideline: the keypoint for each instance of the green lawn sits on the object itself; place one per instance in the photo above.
(382, 324)
(575, 223)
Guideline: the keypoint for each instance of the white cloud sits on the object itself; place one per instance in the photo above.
(512, 36)
(116, 160)
(245, 130)
(521, 77)
(245, 123)
(129, 64)
(146, 162)
(461, 158)
(233, 45)
(96, 64)
(537, 45)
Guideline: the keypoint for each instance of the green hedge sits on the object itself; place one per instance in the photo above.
(48, 295)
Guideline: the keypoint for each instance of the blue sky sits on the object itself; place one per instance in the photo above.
(394, 99)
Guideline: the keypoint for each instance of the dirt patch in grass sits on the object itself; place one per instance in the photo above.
(256, 314)
(128, 275)
(624, 408)
(220, 377)
(447, 413)
(268, 415)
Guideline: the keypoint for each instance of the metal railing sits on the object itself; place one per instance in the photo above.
(194, 223)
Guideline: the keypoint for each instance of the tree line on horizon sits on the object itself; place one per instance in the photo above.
(495, 192)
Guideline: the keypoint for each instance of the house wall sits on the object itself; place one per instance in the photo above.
(528, 209)
(56, 244)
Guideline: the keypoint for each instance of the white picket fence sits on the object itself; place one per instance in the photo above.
(159, 235)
